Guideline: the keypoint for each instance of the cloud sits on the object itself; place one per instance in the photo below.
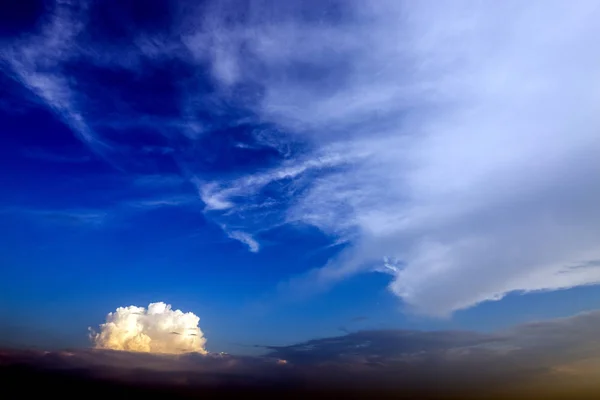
(77, 217)
(150, 330)
(36, 62)
(458, 140)
(121, 210)
(384, 344)
(159, 181)
(557, 357)
(166, 201)
(212, 199)
(43, 155)
(465, 137)
(92, 218)
(246, 239)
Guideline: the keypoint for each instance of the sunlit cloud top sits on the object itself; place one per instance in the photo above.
(157, 329)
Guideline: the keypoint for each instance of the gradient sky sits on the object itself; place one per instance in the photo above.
(292, 170)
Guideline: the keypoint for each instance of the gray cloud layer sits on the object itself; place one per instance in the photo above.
(543, 358)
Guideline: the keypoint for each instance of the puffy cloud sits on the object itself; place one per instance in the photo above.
(157, 329)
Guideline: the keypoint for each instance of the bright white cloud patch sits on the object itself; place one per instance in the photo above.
(157, 329)
(467, 135)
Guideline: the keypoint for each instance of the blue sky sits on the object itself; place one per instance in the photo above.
(298, 170)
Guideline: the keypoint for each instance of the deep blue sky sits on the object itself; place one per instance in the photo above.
(211, 155)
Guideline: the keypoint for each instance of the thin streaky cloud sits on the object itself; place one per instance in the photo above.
(36, 62)
(43, 155)
(459, 140)
(245, 238)
(468, 116)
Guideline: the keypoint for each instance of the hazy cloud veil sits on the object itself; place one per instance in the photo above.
(459, 141)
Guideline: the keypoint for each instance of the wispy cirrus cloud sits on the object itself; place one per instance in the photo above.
(159, 180)
(458, 141)
(478, 125)
(103, 217)
(244, 238)
(164, 201)
(72, 217)
(36, 62)
(43, 155)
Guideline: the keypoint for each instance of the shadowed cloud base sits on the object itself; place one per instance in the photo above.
(548, 359)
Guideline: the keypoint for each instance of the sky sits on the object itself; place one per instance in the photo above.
(265, 173)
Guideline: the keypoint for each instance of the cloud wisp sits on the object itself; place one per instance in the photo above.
(477, 127)
(246, 239)
(458, 140)
(36, 62)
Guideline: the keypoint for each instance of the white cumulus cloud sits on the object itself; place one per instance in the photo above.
(157, 329)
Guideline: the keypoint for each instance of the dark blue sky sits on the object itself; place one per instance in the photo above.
(291, 171)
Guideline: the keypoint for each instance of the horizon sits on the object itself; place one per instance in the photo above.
(321, 190)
